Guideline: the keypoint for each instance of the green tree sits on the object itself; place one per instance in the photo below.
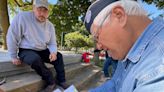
(87, 37)
(75, 40)
(158, 3)
(81, 28)
(89, 41)
(4, 20)
(66, 14)
(4, 16)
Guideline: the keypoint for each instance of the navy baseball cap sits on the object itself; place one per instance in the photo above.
(94, 10)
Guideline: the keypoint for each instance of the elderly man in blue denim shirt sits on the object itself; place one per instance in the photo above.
(123, 28)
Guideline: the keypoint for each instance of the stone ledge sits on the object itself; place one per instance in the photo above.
(8, 69)
(31, 82)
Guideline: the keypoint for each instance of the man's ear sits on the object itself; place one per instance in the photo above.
(119, 14)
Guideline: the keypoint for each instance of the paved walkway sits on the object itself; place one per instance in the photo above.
(4, 57)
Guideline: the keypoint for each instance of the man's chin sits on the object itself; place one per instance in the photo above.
(42, 20)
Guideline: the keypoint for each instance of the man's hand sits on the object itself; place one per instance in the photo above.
(52, 57)
(16, 61)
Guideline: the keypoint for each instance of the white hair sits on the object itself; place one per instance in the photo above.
(130, 7)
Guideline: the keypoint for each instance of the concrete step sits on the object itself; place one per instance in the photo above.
(8, 69)
(74, 69)
(28, 82)
(85, 77)
(94, 82)
(31, 82)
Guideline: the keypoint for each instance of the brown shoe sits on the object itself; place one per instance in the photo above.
(49, 88)
(64, 85)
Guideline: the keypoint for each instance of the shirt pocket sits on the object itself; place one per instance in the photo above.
(152, 76)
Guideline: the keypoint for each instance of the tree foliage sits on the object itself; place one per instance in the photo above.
(74, 39)
(77, 40)
(80, 30)
(66, 14)
(16, 5)
(158, 3)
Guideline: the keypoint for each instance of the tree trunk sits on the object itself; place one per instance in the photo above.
(96, 58)
(4, 20)
(76, 49)
(96, 55)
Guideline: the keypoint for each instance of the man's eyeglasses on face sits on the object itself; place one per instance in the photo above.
(95, 33)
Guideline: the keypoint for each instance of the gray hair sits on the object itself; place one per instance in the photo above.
(131, 7)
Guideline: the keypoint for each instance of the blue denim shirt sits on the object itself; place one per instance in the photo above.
(143, 68)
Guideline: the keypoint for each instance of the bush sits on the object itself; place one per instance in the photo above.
(77, 40)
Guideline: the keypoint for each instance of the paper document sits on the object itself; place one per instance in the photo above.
(57, 90)
(70, 89)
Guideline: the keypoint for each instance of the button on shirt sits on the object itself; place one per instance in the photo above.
(143, 68)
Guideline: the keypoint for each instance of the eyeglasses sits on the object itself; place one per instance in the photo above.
(96, 34)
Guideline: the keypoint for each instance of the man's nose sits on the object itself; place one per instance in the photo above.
(42, 13)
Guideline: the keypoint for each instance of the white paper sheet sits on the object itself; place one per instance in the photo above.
(71, 88)
(57, 90)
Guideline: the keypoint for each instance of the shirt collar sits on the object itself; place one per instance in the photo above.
(140, 45)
